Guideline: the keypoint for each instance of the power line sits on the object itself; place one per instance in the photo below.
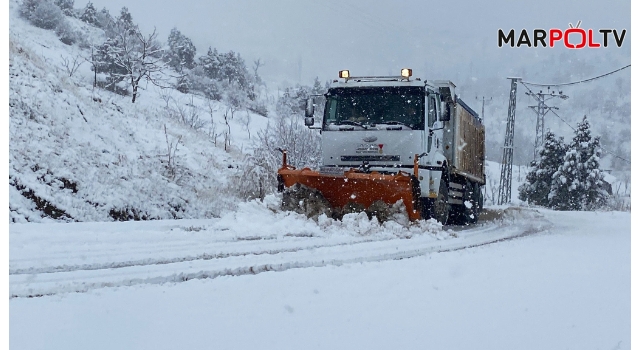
(541, 110)
(572, 128)
(578, 82)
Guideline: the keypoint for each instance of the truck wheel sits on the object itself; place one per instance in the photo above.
(471, 213)
(467, 212)
(441, 208)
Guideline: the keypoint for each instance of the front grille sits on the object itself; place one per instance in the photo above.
(370, 158)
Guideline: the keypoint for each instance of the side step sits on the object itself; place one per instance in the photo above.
(456, 193)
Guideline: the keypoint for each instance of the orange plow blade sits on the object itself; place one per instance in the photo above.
(357, 187)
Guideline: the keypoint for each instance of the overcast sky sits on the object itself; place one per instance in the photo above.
(301, 39)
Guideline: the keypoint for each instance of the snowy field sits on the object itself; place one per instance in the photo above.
(262, 279)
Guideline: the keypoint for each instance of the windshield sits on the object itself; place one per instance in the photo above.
(393, 108)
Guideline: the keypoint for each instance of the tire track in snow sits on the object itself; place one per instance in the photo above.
(374, 251)
(204, 256)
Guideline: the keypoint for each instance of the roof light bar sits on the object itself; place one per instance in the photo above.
(405, 74)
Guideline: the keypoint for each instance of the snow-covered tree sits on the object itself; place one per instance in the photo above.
(104, 64)
(66, 6)
(317, 88)
(197, 80)
(42, 13)
(209, 64)
(595, 193)
(105, 20)
(27, 7)
(67, 34)
(89, 15)
(233, 96)
(233, 69)
(181, 53)
(538, 181)
(566, 191)
(48, 15)
(125, 20)
(578, 184)
(129, 56)
(114, 26)
(229, 68)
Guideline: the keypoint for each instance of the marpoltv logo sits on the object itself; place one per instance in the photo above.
(572, 38)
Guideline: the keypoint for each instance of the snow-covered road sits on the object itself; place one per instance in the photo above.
(83, 257)
(563, 282)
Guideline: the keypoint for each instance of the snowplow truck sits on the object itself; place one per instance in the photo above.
(391, 141)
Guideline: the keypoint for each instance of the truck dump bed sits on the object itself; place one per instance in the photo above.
(467, 144)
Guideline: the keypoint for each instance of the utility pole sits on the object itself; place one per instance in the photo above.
(504, 190)
(541, 109)
(482, 114)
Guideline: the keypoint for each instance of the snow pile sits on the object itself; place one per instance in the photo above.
(265, 218)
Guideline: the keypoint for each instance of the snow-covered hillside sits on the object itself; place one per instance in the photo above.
(84, 154)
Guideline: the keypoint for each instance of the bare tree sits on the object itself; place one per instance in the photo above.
(227, 133)
(256, 65)
(139, 56)
(94, 65)
(186, 114)
(171, 153)
(213, 129)
(246, 120)
(191, 117)
(166, 96)
(491, 191)
(71, 66)
(259, 172)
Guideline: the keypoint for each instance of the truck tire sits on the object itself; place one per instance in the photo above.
(467, 212)
(471, 213)
(441, 209)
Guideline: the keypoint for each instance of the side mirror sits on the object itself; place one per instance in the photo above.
(445, 114)
(309, 110)
(308, 121)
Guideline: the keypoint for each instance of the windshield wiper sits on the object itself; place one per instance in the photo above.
(395, 122)
(348, 122)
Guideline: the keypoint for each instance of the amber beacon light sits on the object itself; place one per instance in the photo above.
(406, 72)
